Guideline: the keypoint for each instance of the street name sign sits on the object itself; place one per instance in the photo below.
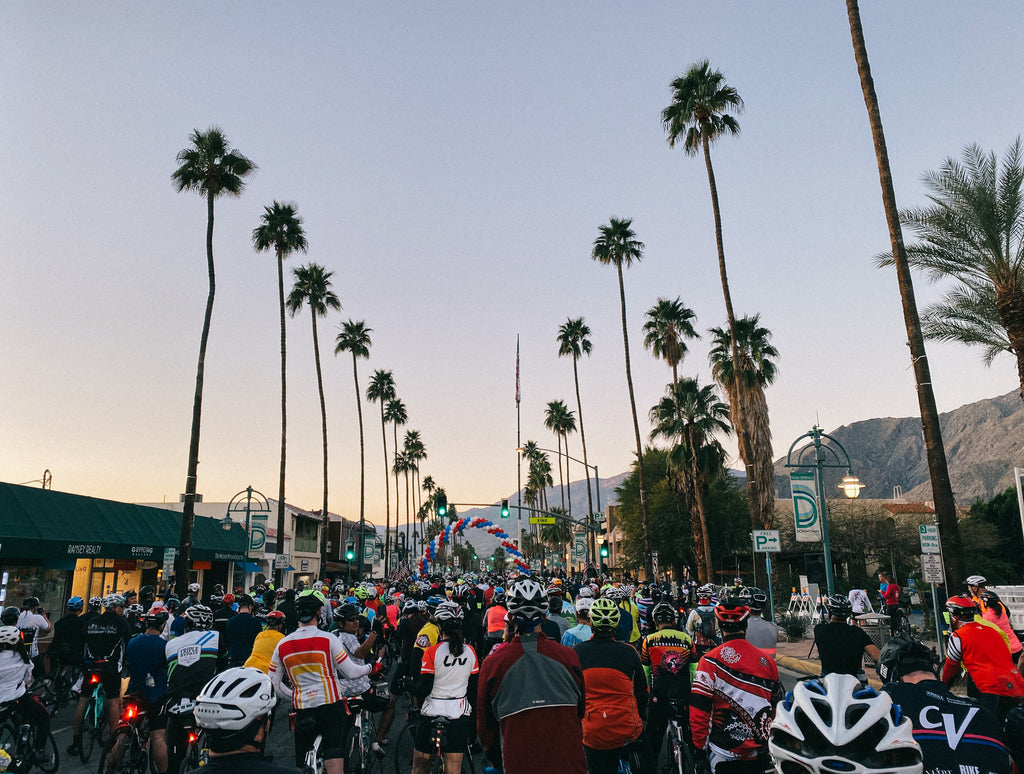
(542, 519)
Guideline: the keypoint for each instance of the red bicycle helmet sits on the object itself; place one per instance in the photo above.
(732, 614)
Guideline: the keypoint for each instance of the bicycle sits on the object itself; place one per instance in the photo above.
(18, 740)
(197, 754)
(680, 754)
(95, 727)
(406, 745)
(127, 751)
(59, 688)
(359, 755)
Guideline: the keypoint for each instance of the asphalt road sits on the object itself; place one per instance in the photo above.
(281, 744)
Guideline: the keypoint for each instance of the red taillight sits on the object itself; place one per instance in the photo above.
(130, 712)
(94, 679)
(192, 736)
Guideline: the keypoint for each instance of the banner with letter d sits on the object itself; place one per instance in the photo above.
(805, 506)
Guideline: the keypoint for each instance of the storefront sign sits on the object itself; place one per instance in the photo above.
(805, 506)
(257, 535)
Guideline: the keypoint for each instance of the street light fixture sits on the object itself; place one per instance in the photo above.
(247, 496)
(850, 485)
(592, 530)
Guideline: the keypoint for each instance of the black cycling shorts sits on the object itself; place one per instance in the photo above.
(456, 736)
(110, 676)
(329, 721)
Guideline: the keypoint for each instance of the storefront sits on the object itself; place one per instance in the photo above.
(55, 545)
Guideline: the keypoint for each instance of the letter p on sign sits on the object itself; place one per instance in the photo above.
(767, 540)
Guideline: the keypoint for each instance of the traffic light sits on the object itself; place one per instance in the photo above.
(350, 551)
(604, 550)
(441, 504)
(504, 509)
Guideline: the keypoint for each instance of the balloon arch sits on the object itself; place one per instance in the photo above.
(459, 527)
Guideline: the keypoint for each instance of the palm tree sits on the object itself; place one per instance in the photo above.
(574, 341)
(380, 390)
(429, 486)
(690, 416)
(561, 421)
(757, 370)
(313, 287)
(354, 337)
(617, 244)
(668, 324)
(942, 490)
(416, 452)
(211, 168)
(559, 534)
(396, 414)
(402, 466)
(281, 229)
(698, 116)
(973, 233)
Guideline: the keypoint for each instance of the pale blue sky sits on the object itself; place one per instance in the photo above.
(452, 162)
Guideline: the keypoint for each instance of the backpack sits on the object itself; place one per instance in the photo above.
(706, 631)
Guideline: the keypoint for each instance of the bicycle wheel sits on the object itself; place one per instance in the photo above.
(9, 740)
(468, 764)
(49, 760)
(372, 763)
(404, 746)
(116, 753)
(353, 752)
(90, 731)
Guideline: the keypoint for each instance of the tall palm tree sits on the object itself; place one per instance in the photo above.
(942, 490)
(559, 534)
(416, 452)
(402, 466)
(559, 419)
(380, 390)
(574, 342)
(281, 229)
(698, 116)
(429, 486)
(354, 337)
(211, 168)
(668, 324)
(690, 416)
(313, 287)
(973, 233)
(617, 244)
(756, 371)
(396, 414)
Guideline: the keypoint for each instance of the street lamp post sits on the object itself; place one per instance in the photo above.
(850, 485)
(591, 530)
(236, 506)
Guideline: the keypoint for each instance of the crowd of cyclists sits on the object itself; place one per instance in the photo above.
(537, 674)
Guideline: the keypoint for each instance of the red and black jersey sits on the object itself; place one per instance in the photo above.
(667, 653)
(733, 699)
(616, 691)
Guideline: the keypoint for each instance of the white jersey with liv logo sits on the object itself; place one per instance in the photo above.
(451, 673)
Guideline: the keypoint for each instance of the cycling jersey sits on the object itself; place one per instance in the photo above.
(147, 667)
(494, 618)
(763, 634)
(68, 640)
(263, 649)
(841, 647)
(955, 733)
(577, 634)
(985, 657)
(735, 690)
(352, 686)
(666, 656)
(616, 693)
(447, 697)
(311, 659)
(106, 636)
(191, 662)
(427, 636)
(31, 624)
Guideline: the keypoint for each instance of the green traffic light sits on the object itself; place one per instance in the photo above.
(504, 509)
(604, 551)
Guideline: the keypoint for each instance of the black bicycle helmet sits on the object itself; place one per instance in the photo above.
(903, 655)
(838, 606)
(9, 617)
(526, 600)
(664, 613)
(755, 598)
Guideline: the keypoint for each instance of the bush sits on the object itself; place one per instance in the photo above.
(795, 626)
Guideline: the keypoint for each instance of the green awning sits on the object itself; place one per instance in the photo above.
(43, 524)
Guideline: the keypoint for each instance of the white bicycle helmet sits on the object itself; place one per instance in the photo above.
(448, 611)
(10, 635)
(234, 699)
(193, 588)
(977, 580)
(526, 600)
(113, 600)
(198, 617)
(835, 725)
(583, 605)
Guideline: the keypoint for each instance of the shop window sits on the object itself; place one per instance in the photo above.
(28, 581)
(305, 535)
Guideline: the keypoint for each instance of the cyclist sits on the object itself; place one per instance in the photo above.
(408, 627)
(734, 693)
(242, 630)
(192, 661)
(700, 624)
(494, 619)
(147, 680)
(841, 646)
(994, 611)
(15, 676)
(616, 694)
(348, 618)
(106, 637)
(68, 637)
(266, 641)
(32, 621)
(428, 635)
(9, 617)
(312, 659)
(531, 689)
(472, 623)
(985, 657)
(629, 623)
(954, 732)
(555, 615)
(760, 633)
(446, 681)
(192, 598)
(582, 631)
(855, 729)
(666, 655)
(235, 708)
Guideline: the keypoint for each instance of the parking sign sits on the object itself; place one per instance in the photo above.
(767, 540)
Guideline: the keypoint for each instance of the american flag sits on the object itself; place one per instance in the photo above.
(402, 572)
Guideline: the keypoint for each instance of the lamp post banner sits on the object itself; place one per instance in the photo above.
(805, 506)
(257, 534)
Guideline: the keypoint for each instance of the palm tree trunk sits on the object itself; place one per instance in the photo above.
(561, 481)
(408, 519)
(184, 557)
(323, 423)
(568, 479)
(398, 511)
(648, 566)
(942, 491)
(387, 492)
(1010, 306)
(698, 500)
(738, 419)
(362, 468)
(591, 534)
(284, 417)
